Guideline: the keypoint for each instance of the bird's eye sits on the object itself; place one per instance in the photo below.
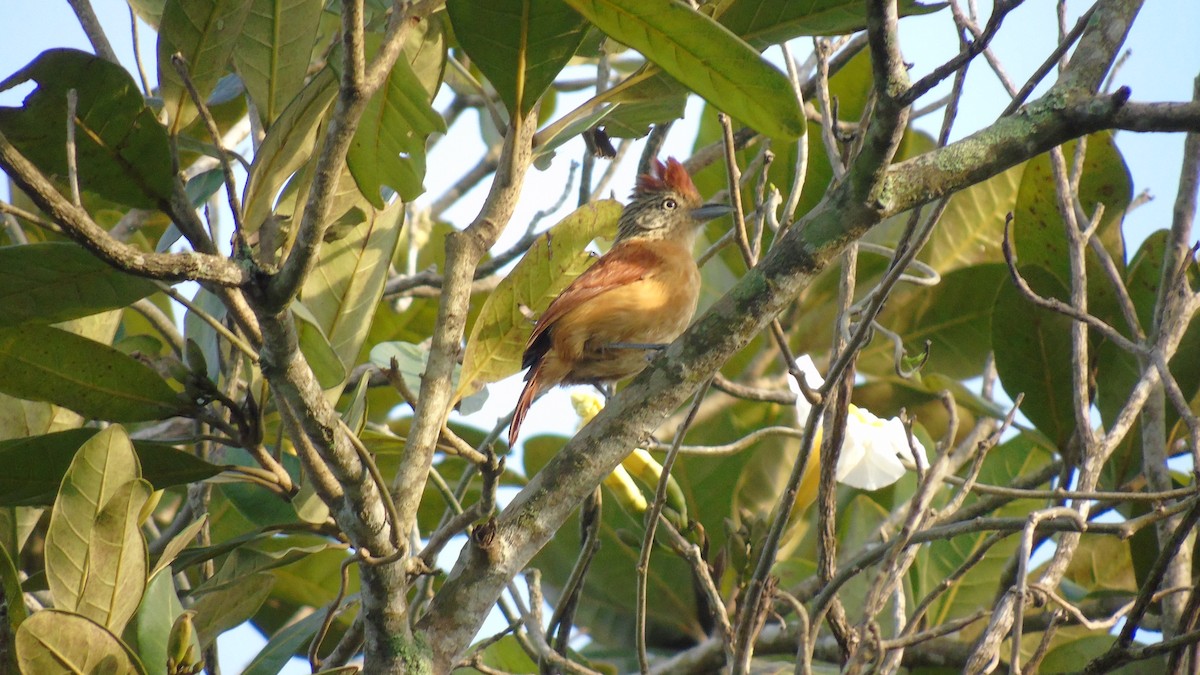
(669, 204)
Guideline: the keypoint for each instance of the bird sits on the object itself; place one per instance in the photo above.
(638, 296)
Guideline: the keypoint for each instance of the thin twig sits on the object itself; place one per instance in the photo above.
(72, 165)
(235, 205)
(652, 514)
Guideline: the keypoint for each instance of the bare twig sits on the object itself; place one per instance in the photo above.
(652, 515)
(94, 31)
(72, 166)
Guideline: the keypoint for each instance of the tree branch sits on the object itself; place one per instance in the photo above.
(79, 226)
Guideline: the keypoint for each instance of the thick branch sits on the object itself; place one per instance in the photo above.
(78, 225)
(360, 512)
(537, 512)
(464, 250)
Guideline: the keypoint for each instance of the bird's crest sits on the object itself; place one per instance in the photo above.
(669, 176)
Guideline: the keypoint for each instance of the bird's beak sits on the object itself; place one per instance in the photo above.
(708, 212)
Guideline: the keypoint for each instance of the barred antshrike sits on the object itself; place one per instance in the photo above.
(638, 296)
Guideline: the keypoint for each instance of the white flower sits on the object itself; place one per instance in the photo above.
(812, 377)
(871, 453)
(872, 450)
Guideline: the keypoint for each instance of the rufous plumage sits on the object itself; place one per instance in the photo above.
(641, 293)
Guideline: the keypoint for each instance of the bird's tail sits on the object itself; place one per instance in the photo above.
(530, 392)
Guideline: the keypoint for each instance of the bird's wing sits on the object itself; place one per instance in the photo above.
(624, 264)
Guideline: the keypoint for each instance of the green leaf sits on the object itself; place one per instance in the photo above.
(555, 259)
(48, 364)
(261, 507)
(16, 525)
(159, 608)
(52, 282)
(955, 316)
(101, 469)
(966, 234)
(179, 542)
(347, 281)
(389, 145)
(204, 32)
(1074, 646)
(273, 52)
(766, 22)
(149, 11)
(314, 344)
(10, 585)
(1103, 564)
(284, 645)
(116, 559)
(520, 45)
(203, 341)
(706, 57)
(1033, 355)
(20, 418)
(410, 361)
(232, 606)
(121, 150)
(38, 464)
(54, 641)
(1039, 235)
(288, 145)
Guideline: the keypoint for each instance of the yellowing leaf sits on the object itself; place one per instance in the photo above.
(555, 259)
(54, 641)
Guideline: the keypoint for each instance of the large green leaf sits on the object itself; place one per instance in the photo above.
(315, 347)
(555, 259)
(1118, 371)
(121, 150)
(273, 52)
(156, 614)
(1102, 563)
(967, 232)
(37, 465)
(52, 282)
(102, 469)
(520, 45)
(20, 418)
(1033, 355)
(116, 559)
(705, 56)
(43, 363)
(261, 507)
(766, 22)
(204, 32)
(288, 145)
(54, 641)
(230, 599)
(347, 282)
(1039, 235)
(954, 316)
(389, 145)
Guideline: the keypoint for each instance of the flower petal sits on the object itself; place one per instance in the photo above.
(812, 377)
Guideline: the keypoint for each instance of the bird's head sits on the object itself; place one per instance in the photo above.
(666, 205)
